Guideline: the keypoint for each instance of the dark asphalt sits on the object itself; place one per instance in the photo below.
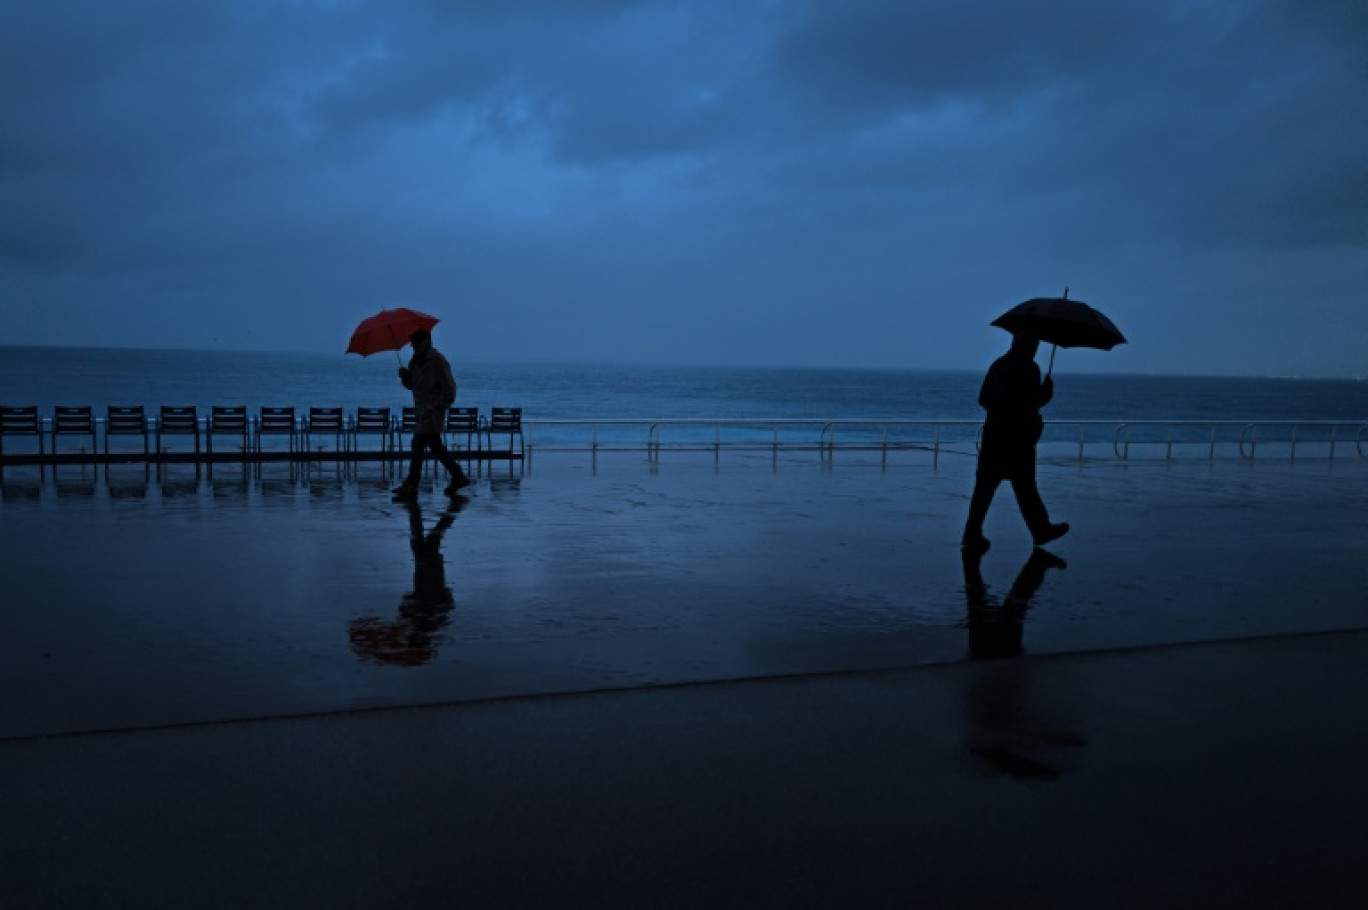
(1215, 775)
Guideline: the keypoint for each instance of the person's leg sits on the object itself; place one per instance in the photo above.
(1028, 499)
(1033, 510)
(417, 445)
(458, 476)
(985, 485)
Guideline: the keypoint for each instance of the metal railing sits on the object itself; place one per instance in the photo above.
(1304, 438)
(715, 434)
(1280, 436)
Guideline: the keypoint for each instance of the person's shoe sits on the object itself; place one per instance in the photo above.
(457, 483)
(1051, 532)
(405, 491)
(975, 546)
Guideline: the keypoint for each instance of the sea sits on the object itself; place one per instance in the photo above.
(550, 392)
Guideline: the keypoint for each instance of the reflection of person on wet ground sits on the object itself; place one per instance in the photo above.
(1005, 729)
(1013, 395)
(411, 639)
(995, 629)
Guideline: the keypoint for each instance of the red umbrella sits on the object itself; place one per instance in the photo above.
(388, 330)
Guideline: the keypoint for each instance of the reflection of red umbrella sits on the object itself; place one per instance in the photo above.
(400, 642)
(388, 330)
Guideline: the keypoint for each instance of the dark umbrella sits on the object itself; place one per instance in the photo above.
(388, 330)
(1061, 322)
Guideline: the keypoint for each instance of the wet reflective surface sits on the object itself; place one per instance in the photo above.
(135, 597)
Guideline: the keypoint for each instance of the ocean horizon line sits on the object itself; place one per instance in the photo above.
(686, 364)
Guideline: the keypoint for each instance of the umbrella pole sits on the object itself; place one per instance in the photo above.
(1053, 348)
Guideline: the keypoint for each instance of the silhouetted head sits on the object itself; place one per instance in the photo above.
(421, 340)
(1025, 344)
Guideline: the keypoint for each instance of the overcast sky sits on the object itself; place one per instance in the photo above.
(809, 182)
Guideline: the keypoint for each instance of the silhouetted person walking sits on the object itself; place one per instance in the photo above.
(428, 376)
(1013, 395)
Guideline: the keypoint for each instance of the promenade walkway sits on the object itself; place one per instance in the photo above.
(684, 683)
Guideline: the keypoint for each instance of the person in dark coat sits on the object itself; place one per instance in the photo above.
(428, 376)
(1013, 395)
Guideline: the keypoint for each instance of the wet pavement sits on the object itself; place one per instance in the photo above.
(137, 599)
(1218, 775)
(741, 682)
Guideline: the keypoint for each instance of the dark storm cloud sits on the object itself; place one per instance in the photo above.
(1220, 122)
(631, 177)
(639, 81)
(872, 56)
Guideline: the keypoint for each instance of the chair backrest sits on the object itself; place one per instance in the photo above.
(130, 419)
(176, 419)
(228, 419)
(325, 420)
(276, 420)
(505, 420)
(372, 420)
(408, 419)
(463, 420)
(19, 420)
(73, 420)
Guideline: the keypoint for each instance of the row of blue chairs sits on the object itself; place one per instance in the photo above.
(234, 421)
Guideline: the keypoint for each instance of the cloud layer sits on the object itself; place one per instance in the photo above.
(855, 182)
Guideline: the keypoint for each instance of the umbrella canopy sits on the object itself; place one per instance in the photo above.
(1063, 322)
(388, 330)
